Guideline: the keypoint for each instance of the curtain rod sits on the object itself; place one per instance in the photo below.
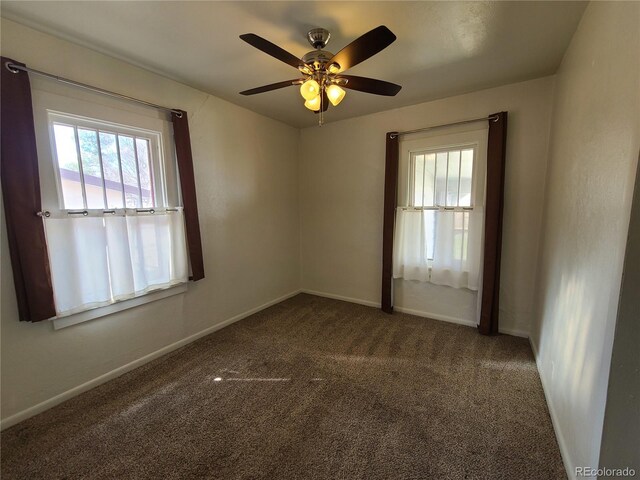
(13, 68)
(493, 118)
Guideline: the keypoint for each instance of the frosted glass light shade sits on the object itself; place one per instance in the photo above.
(335, 94)
(313, 104)
(309, 89)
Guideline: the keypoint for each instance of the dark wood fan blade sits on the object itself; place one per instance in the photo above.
(273, 86)
(271, 49)
(370, 85)
(364, 47)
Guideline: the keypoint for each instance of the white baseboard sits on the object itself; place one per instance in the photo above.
(564, 451)
(515, 332)
(418, 313)
(435, 316)
(359, 301)
(52, 402)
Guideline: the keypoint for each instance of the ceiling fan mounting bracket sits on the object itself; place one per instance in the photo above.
(318, 37)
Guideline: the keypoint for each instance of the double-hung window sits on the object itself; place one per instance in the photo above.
(113, 221)
(106, 166)
(439, 220)
(442, 180)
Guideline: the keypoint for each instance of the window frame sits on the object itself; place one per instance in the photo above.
(70, 102)
(156, 154)
(459, 137)
(454, 137)
(446, 149)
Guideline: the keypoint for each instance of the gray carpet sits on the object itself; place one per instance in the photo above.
(310, 388)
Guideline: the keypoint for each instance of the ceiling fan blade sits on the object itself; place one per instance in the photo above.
(272, 86)
(363, 47)
(271, 49)
(369, 85)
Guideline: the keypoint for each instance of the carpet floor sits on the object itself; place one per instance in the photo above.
(310, 388)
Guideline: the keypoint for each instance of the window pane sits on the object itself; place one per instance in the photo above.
(88, 141)
(429, 217)
(418, 180)
(144, 166)
(453, 178)
(441, 177)
(466, 177)
(111, 168)
(465, 238)
(129, 172)
(458, 234)
(68, 167)
(429, 179)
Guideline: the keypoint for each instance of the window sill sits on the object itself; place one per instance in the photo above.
(92, 314)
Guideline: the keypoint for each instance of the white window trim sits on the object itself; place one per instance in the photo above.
(68, 102)
(426, 151)
(156, 154)
(81, 317)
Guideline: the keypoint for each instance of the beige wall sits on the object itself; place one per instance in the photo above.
(621, 430)
(246, 169)
(341, 193)
(592, 162)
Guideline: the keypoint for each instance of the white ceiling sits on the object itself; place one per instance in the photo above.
(443, 48)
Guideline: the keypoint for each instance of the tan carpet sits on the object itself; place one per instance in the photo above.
(310, 388)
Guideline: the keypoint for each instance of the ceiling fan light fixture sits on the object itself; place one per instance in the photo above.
(305, 69)
(310, 89)
(313, 104)
(334, 68)
(335, 94)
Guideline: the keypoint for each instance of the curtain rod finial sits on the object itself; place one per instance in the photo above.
(11, 67)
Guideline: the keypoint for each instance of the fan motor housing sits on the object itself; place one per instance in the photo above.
(318, 58)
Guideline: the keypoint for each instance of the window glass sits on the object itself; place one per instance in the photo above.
(442, 179)
(144, 166)
(113, 171)
(69, 169)
(91, 169)
(466, 173)
(111, 165)
(453, 178)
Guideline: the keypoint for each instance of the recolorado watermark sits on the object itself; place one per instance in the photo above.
(603, 471)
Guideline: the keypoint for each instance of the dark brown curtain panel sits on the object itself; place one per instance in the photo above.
(390, 201)
(496, 155)
(21, 196)
(188, 187)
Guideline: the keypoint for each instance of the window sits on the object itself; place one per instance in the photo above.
(443, 180)
(103, 166)
(438, 234)
(115, 230)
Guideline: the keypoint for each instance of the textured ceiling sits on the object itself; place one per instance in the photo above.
(443, 48)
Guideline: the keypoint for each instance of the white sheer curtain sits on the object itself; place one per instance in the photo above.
(99, 260)
(443, 247)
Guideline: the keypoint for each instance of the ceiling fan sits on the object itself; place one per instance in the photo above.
(323, 78)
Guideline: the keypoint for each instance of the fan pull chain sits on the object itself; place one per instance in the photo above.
(321, 117)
